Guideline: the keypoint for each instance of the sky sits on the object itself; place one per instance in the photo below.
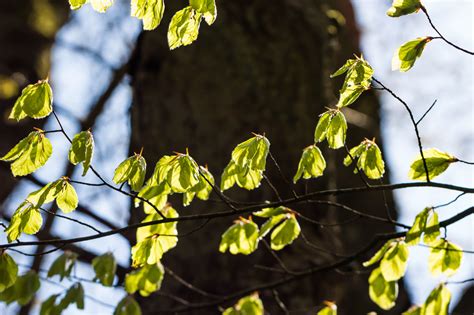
(442, 73)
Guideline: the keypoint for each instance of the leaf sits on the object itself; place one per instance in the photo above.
(270, 212)
(249, 305)
(432, 229)
(48, 307)
(331, 126)
(74, 295)
(445, 258)
(207, 8)
(379, 254)
(77, 4)
(330, 309)
(132, 170)
(437, 302)
(29, 154)
(82, 150)
(350, 94)
(358, 72)
(425, 222)
(436, 162)
(63, 265)
(61, 190)
(128, 306)
(405, 56)
(157, 195)
(183, 173)
(104, 268)
(270, 224)
(202, 189)
(252, 153)
(35, 101)
(414, 310)
(243, 177)
(149, 11)
(240, 238)
(101, 5)
(403, 7)
(8, 271)
(311, 165)
(145, 280)
(184, 27)
(382, 292)
(23, 290)
(369, 159)
(285, 233)
(26, 219)
(394, 262)
(67, 199)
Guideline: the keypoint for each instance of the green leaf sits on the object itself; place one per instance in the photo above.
(184, 27)
(149, 11)
(82, 150)
(183, 174)
(29, 154)
(330, 309)
(311, 165)
(425, 222)
(145, 280)
(414, 310)
(270, 212)
(48, 307)
(436, 162)
(74, 295)
(63, 265)
(8, 271)
(128, 306)
(270, 224)
(157, 195)
(35, 101)
(350, 94)
(437, 302)
(155, 240)
(101, 5)
(394, 262)
(202, 189)
(207, 8)
(131, 170)
(67, 199)
(369, 159)
(406, 55)
(432, 229)
(61, 190)
(403, 7)
(382, 292)
(358, 72)
(249, 305)
(379, 254)
(252, 153)
(445, 258)
(104, 268)
(243, 177)
(240, 238)
(23, 290)
(77, 4)
(26, 219)
(285, 233)
(331, 126)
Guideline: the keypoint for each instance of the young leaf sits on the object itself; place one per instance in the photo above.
(379, 254)
(331, 126)
(445, 258)
(131, 170)
(207, 8)
(414, 310)
(394, 262)
(240, 238)
(329, 309)
(413, 236)
(406, 55)
(369, 159)
(67, 199)
(29, 154)
(358, 72)
(350, 94)
(77, 4)
(437, 302)
(104, 268)
(184, 27)
(26, 219)
(202, 189)
(128, 306)
(149, 11)
(436, 162)
(183, 173)
(157, 195)
(23, 290)
(311, 165)
(285, 233)
(74, 295)
(61, 190)
(35, 101)
(432, 229)
(270, 224)
(145, 280)
(82, 150)
(382, 292)
(243, 177)
(270, 212)
(63, 265)
(249, 305)
(252, 154)
(8, 271)
(101, 5)
(403, 7)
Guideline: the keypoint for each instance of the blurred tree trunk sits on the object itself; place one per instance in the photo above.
(263, 67)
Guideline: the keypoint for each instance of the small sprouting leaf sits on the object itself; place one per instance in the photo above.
(432, 229)
(437, 302)
(35, 101)
(184, 27)
(394, 262)
(67, 199)
(128, 306)
(331, 126)
(63, 265)
(8, 271)
(26, 219)
(23, 290)
(183, 173)
(445, 258)
(382, 292)
(157, 195)
(131, 170)
(425, 222)
(379, 254)
(77, 4)
(406, 55)
(202, 189)
(240, 238)
(403, 7)
(82, 150)
(369, 159)
(285, 233)
(104, 268)
(243, 177)
(207, 8)
(29, 154)
(149, 11)
(270, 224)
(311, 165)
(145, 280)
(249, 305)
(270, 212)
(329, 309)
(350, 94)
(61, 190)
(252, 153)
(436, 162)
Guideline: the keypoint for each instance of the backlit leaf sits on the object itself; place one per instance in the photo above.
(26, 219)
(184, 27)
(149, 11)
(437, 302)
(63, 265)
(104, 268)
(132, 170)
(128, 306)
(207, 8)
(311, 165)
(8, 271)
(369, 159)
(145, 280)
(394, 262)
(445, 258)
(403, 7)
(406, 55)
(23, 290)
(331, 126)
(382, 292)
(249, 305)
(240, 238)
(436, 162)
(35, 101)
(285, 233)
(82, 150)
